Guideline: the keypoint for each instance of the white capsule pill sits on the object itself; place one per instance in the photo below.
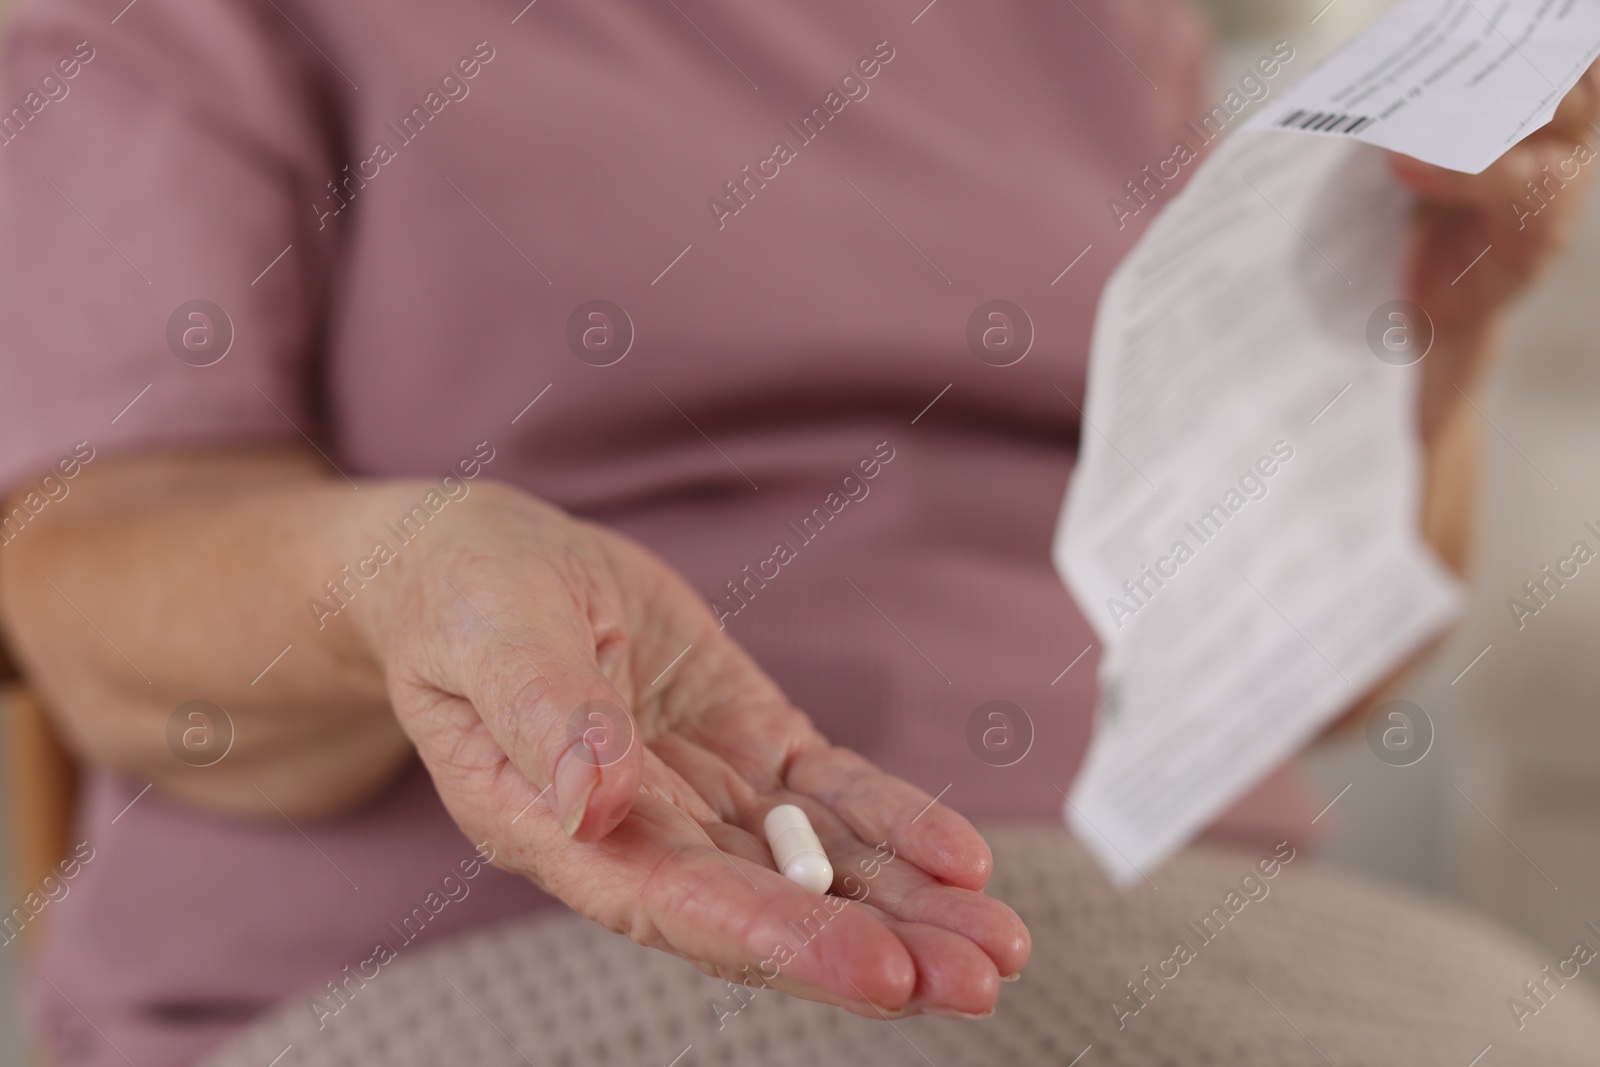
(797, 850)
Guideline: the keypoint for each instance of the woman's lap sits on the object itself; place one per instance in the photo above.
(1294, 968)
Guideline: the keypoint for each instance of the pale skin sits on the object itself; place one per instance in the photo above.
(474, 647)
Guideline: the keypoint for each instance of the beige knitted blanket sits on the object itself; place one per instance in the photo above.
(1227, 966)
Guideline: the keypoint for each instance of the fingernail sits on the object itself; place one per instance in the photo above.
(576, 778)
(1012, 977)
(945, 1013)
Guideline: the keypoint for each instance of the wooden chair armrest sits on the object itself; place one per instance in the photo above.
(41, 788)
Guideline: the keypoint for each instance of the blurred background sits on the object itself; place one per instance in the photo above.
(1504, 811)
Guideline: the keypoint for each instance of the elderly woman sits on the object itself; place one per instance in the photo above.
(548, 438)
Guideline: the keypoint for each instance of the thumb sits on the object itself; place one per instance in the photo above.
(567, 730)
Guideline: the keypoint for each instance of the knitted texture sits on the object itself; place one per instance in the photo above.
(1320, 970)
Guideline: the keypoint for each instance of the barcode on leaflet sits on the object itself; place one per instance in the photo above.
(1326, 121)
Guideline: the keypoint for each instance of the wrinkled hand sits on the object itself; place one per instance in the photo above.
(513, 643)
(1458, 216)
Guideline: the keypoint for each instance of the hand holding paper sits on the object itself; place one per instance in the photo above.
(1262, 315)
(1524, 206)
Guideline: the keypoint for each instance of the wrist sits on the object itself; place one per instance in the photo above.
(374, 571)
(1453, 373)
(406, 534)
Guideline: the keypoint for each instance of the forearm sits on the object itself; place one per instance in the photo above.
(1451, 487)
(162, 580)
(1450, 437)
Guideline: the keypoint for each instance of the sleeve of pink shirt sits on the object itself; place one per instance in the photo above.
(146, 166)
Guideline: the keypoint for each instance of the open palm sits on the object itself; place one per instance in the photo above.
(579, 709)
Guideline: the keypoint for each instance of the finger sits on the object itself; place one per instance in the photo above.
(954, 977)
(528, 664)
(953, 987)
(711, 777)
(737, 841)
(1505, 179)
(904, 892)
(693, 816)
(663, 781)
(1581, 106)
(781, 984)
(757, 734)
(708, 905)
(879, 807)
